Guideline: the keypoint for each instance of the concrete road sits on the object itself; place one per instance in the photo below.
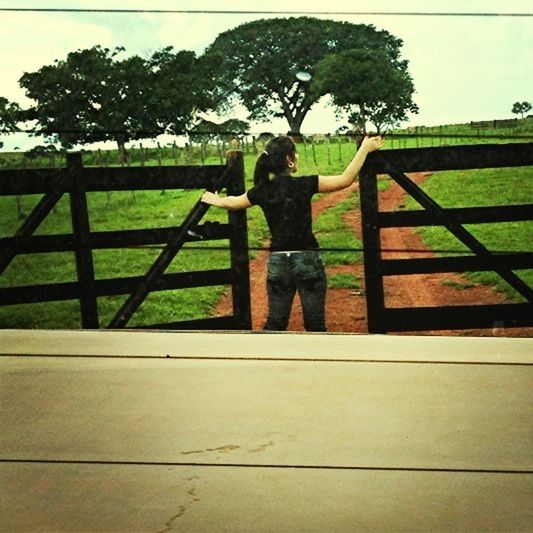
(202, 432)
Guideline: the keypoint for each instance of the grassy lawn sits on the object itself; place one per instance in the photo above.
(333, 234)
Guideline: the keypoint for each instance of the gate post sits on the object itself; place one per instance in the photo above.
(81, 234)
(375, 295)
(240, 288)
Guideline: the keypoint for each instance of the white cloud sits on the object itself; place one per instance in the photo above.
(30, 40)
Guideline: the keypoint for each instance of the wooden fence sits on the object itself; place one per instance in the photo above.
(395, 163)
(76, 181)
(487, 124)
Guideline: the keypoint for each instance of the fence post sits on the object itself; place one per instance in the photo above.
(239, 245)
(159, 156)
(375, 295)
(314, 151)
(20, 198)
(175, 152)
(81, 233)
(219, 149)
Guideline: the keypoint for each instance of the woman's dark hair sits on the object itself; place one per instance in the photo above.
(274, 159)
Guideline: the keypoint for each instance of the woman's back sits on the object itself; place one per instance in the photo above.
(286, 203)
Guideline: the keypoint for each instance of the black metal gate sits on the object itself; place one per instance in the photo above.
(396, 163)
(77, 180)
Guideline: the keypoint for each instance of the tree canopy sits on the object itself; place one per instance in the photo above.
(206, 130)
(521, 108)
(97, 94)
(257, 62)
(368, 86)
(93, 95)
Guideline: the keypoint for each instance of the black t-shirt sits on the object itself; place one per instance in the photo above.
(286, 203)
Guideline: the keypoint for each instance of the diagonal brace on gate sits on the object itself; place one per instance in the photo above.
(461, 233)
(176, 241)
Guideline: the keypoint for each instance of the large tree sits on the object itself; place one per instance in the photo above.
(256, 62)
(68, 95)
(368, 87)
(94, 96)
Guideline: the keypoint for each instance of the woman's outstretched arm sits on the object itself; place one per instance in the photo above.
(231, 203)
(351, 172)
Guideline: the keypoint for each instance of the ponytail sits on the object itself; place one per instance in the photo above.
(263, 168)
(274, 159)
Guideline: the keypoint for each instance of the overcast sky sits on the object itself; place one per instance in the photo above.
(464, 68)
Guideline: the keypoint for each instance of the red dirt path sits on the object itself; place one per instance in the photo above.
(346, 308)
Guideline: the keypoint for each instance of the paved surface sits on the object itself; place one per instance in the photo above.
(208, 432)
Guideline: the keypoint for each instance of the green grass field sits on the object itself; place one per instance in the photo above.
(145, 209)
(477, 188)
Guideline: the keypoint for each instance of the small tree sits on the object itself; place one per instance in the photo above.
(521, 108)
(234, 128)
(206, 130)
(180, 86)
(10, 115)
(367, 86)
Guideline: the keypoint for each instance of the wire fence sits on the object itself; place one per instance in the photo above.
(264, 12)
(190, 147)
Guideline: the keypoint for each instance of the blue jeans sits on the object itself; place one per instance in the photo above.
(301, 271)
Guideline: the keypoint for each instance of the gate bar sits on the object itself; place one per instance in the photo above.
(37, 215)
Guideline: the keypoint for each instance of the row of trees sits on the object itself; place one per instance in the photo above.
(97, 94)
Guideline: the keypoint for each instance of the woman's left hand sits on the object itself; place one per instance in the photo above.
(210, 198)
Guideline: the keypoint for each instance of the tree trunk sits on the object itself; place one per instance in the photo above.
(294, 114)
(122, 152)
(295, 124)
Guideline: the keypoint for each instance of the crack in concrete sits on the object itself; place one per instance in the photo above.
(170, 524)
(222, 449)
(263, 447)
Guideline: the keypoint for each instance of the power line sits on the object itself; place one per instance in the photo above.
(262, 12)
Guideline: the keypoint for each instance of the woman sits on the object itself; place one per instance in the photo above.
(294, 263)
